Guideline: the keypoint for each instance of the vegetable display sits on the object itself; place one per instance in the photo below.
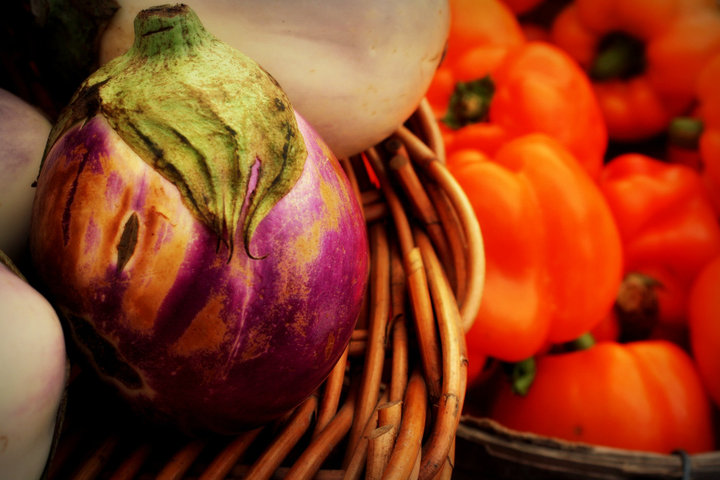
(549, 235)
(337, 62)
(33, 373)
(409, 239)
(23, 133)
(213, 253)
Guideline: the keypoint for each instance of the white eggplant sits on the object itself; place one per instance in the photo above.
(23, 133)
(33, 373)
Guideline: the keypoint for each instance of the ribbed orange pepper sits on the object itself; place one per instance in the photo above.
(644, 395)
(485, 93)
(644, 57)
(669, 232)
(553, 252)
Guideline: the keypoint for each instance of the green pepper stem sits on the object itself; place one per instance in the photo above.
(470, 103)
(583, 342)
(619, 56)
(685, 132)
(522, 375)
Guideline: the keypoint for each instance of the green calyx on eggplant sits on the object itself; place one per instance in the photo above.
(206, 141)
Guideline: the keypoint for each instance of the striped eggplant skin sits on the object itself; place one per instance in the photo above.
(190, 333)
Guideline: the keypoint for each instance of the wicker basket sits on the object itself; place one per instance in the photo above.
(487, 450)
(391, 406)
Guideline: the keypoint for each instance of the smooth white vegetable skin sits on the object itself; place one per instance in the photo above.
(355, 70)
(32, 377)
(23, 133)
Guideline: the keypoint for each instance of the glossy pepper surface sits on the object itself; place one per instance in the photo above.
(552, 248)
(486, 92)
(640, 396)
(644, 57)
(704, 312)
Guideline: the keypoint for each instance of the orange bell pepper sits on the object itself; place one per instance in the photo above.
(474, 23)
(485, 93)
(704, 312)
(669, 232)
(708, 95)
(695, 140)
(553, 252)
(644, 395)
(643, 56)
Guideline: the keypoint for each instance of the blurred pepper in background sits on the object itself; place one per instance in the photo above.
(669, 232)
(694, 139)
(643, 57)
(488, 91)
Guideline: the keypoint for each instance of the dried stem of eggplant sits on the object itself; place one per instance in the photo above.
(426, 159)
(375, 352)
(272, 457)
(409, 440)
(416, 279)
(436, 449)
